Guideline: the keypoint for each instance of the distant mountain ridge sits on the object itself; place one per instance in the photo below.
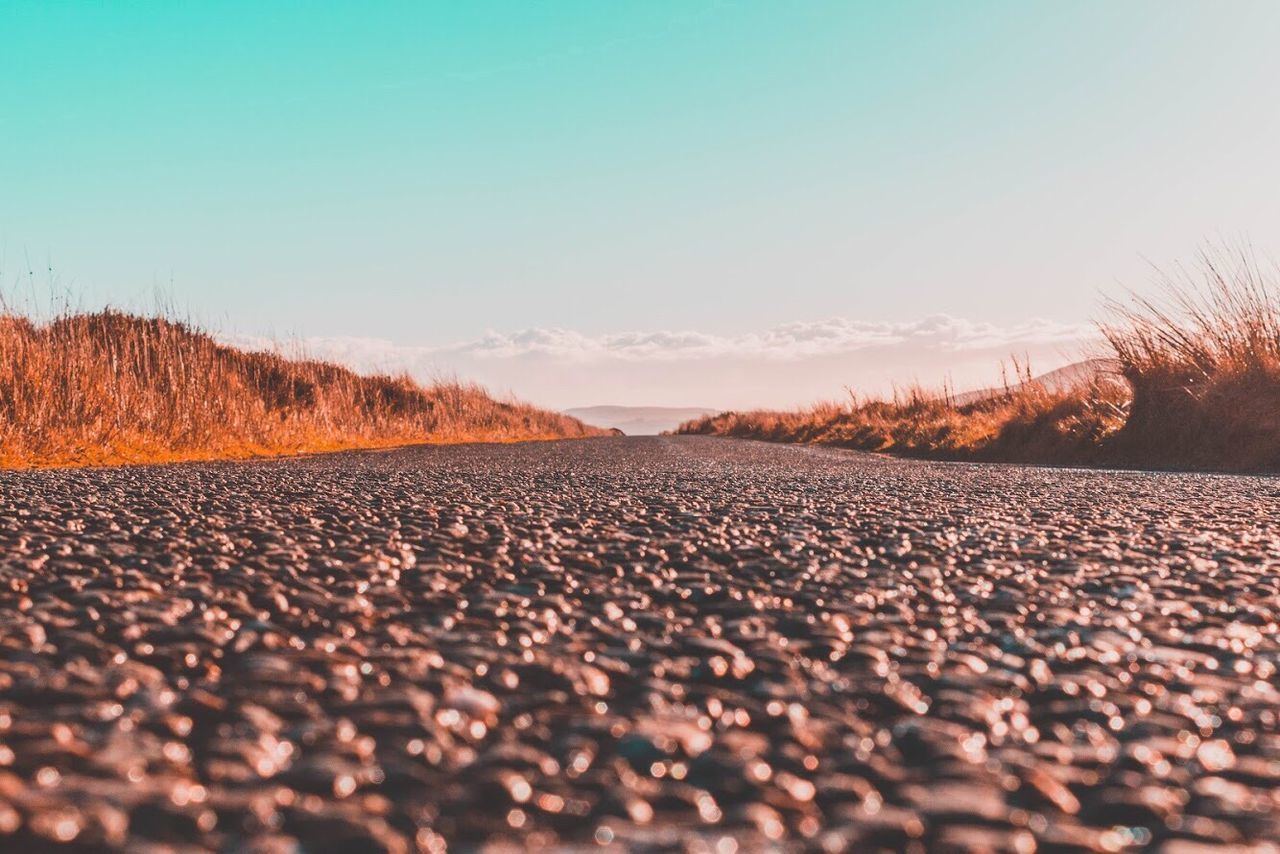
(638, 420)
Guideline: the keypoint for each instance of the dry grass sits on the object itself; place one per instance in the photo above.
(1029, 424)
(1204, 366)
(114, 388)
(1197, 385)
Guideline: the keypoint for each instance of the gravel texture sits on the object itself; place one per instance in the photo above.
(639, 643)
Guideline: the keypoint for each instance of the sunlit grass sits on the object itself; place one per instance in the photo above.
(1203, 362)
(112, 388)
(1029, 422)
(1196, 384)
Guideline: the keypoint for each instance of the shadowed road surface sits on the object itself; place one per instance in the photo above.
(642, 643)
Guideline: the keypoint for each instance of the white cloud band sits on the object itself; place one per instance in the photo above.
(789, 341)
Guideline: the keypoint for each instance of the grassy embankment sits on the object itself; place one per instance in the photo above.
(106, 388)
(1195, 384)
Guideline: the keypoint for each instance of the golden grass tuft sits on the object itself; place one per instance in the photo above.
(105, 388)
(1204, 366)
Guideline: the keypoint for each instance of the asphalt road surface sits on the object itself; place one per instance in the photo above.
(641, 643)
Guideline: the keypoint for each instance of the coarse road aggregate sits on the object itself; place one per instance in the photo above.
(637, 644)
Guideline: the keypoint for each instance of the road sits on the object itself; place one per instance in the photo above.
(642, 643)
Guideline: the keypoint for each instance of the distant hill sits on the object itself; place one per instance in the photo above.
(1063, 378)
(638, 420)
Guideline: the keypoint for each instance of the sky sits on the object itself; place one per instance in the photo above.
(699, 203)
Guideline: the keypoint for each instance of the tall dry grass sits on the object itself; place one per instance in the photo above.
(1203, 362)
(1196, 385)
(1029, 423)
(110, 387)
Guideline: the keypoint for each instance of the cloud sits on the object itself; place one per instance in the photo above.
(785, 342)
(798, 340)
(786, 365)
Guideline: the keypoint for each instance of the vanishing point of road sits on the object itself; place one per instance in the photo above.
(637, 643)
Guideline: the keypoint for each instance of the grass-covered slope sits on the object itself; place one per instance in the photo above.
(1193, 381)
(115, 388)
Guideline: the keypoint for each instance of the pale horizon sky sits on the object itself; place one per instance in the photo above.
(667, 203)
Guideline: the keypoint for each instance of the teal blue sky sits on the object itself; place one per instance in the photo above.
(425, 172)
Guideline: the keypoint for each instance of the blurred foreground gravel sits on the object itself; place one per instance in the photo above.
(637, 643)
